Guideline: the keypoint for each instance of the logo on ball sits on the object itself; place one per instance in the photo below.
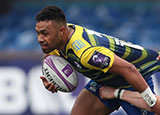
(67, 70)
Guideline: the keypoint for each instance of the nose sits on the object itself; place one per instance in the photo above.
(40, 38)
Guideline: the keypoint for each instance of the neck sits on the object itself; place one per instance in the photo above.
(70, 31)
(68, 36)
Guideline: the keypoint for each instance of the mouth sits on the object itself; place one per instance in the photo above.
(44, 47)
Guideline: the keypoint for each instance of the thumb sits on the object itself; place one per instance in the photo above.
(43, 78)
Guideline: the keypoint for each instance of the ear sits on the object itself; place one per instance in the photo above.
(62, 31)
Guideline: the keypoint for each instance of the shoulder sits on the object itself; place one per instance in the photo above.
(99, 58)
(77, 43)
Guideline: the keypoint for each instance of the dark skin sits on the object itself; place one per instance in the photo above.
(54, 35)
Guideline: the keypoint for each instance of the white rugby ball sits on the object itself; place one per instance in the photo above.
(59, 71)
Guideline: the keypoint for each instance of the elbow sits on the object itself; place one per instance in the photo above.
(131, 68)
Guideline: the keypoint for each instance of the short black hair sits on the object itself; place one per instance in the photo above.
(51, 13)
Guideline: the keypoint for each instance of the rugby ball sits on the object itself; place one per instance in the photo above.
(59, 71)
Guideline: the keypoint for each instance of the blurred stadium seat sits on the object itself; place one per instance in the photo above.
(127, 21)
(137, 21)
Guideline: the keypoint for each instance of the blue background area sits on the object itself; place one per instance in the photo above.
(136, 21)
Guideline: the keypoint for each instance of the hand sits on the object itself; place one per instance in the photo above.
(49, 86)
(156, 107)
(158, 58)
(107, 92)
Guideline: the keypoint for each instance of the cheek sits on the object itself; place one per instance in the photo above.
(53, 38)
(54, 41)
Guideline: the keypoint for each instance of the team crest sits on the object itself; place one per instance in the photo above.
(99, 60)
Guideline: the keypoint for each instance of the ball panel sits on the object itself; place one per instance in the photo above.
(52, 77)
(64, 71)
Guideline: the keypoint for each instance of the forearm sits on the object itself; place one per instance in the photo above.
(132, 97)
(135, 99)
(129, 73)
(134, 78)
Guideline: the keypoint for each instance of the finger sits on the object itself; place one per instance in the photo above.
(100, 91)
(47, 85)
(158, 58)
(55, 89)
(44, 80)
(51, 87)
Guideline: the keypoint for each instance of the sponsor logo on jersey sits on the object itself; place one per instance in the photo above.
(99, 60)
(78, 44)
(93, 87)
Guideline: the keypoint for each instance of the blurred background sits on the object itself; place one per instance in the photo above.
(21, 90)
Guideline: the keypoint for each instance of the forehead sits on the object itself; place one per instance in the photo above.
(48, 24)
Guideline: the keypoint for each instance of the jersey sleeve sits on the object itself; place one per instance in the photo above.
(54, 52)
(99, 58)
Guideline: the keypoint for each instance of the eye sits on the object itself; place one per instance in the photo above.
(45, 33)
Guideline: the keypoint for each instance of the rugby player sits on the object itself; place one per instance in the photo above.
(106, 60)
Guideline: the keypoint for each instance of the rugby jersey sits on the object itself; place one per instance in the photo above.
(91, 53)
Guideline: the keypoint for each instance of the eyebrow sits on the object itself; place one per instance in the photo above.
(41, 31)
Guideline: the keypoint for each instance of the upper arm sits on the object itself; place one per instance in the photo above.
(98, 58)
(129, 72)
(121, 66)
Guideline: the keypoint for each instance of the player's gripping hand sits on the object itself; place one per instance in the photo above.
(49, 86)
(107, 92)
(158, 58)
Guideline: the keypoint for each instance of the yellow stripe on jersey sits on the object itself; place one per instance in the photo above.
(77, 43)
(69, 24)
(147, 64)
(143, 56)
(154, 68)
(54, 52)
(87, 55)
(111, 42)
(92, 39)
(127, 52)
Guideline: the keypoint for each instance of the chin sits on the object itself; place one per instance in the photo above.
(47, 51)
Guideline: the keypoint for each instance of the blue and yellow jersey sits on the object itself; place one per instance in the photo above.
(91, 53)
